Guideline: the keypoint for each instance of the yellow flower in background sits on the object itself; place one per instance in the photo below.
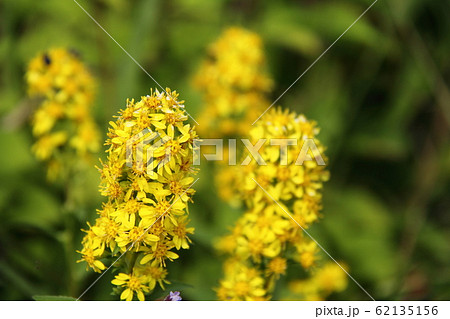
(147, 180)
(63, 126)
(324, 280)
(241, 282)
(46, 145)
(233, 83)
(234, 87)
(265, 237)
(277, 266)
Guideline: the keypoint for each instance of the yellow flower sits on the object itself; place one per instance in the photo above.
(307, 251)
(277, 266)
(86, 138)
(66, 89)
(90, 257)
(160, 252)
(331, 278)
(241, 283)
(46, 116)
(137, 236)
(325, 280)
(133, 285)
(153, 274)
(105, 231)
(47, 144)
(226, 244)
(146, 211)
(162, 208)
(180, 232)
(233, 83)
(256, 243)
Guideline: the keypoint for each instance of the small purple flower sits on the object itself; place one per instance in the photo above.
(173, 296)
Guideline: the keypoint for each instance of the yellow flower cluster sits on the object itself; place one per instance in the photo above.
(147, 178)
(242, 282)
(325, 280)
(266, 237)
(233, 84)
(62, 125)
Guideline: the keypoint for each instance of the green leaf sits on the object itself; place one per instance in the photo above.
(53, 298)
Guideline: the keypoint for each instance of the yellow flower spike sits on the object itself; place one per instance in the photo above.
(233, 83)
(265, 236)
(146, 211)
(67, 89)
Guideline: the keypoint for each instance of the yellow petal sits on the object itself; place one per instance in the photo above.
(99, 265)
(152, 284)
(146, 259)
(125, 294)
(123, 276)
(184, 138)
(259, 292)
(187, 181)
(170, 130)
(140, 295)
(177, 242)
(130, 296)
(171, 255)
(159, 125)
(151, 237)
(117, 282)
(121, 133)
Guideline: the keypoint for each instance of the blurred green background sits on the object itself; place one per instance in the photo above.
(380, 96)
